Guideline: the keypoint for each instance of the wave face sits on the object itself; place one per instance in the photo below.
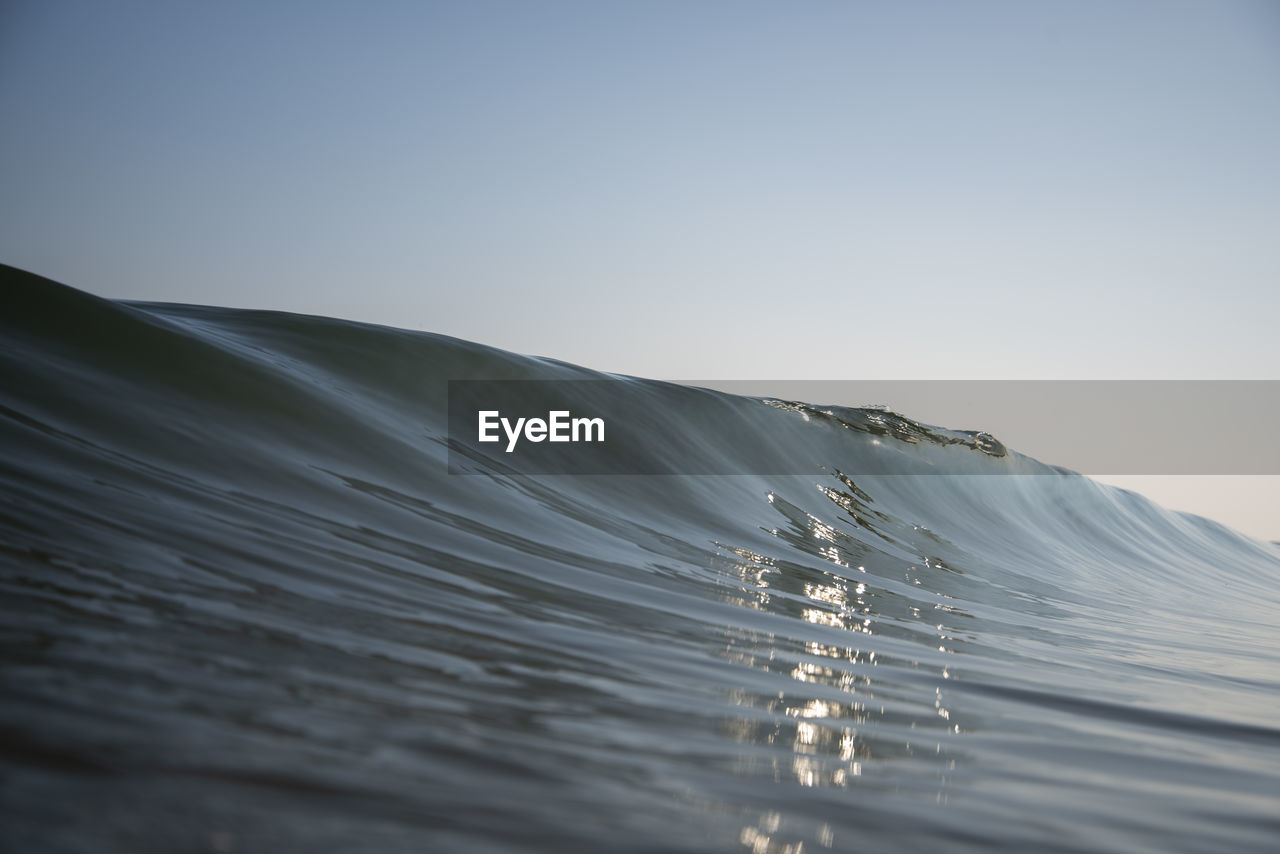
(248, 609)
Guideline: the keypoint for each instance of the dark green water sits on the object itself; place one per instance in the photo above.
(247, 608)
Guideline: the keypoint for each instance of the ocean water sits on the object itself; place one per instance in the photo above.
(248, 608)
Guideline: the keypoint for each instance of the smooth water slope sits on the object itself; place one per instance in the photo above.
(246, 608)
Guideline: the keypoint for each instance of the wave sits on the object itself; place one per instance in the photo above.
(248, 607)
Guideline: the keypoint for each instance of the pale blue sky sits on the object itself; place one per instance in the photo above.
(681, 190)
(892, 189)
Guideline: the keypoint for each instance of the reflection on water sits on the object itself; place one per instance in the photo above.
(850, 706)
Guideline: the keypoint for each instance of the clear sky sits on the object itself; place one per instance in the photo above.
(680, 190)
